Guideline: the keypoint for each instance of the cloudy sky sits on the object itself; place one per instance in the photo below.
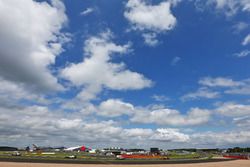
(128, 73)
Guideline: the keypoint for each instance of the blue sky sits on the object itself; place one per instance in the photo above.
(165, 73)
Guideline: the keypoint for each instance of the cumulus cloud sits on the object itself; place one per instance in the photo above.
(215, 87)
(114, 108)
(229, 8)
(239, 27)
(139, 133)
(154, 114)
(144, 16)
(37, 37)
(150, 39)
(242, 121)
(168, 135)
(37, 123)
(221, 138)
(202, 92)
(160, 98)
(231, 86)
(147, 17)
(30, 42)
(242, 88)
(97, 71)
(231, 109)
(172, 117)
(68, 123)
(14, 91)
(218, 82)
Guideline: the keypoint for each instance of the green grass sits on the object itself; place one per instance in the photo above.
(187, 156)
(57, 155)
(84, 156)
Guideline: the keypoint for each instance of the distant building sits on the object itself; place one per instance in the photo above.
(135, 151)
(154, 150)
(112, 151)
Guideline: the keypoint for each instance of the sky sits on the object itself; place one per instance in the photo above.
(125, 73)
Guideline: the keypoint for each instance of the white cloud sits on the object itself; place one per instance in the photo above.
(233, 109)
(154, 114)
(144, 16)
(150, 39)
(245, 5)
(232, 87)
(90, 92)
(30, 41)
(150, 18)
(160, 98)
(114, 108)
(170, 135)
(37, 38)
(171, 117)
(68, 124)
(37, 124)
(243, 53)
(87, 109)
(221, 138)
(215, 87)
(240, 26)
(138, 132)
(218, 82)
(228, 7)
(242, 121)
(242, 90)
(87, 11)
(246, 40)
(12, 92)
(202, 92)
(97, 71)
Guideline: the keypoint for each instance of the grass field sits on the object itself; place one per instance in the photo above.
(83, 155)
(86, 158)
